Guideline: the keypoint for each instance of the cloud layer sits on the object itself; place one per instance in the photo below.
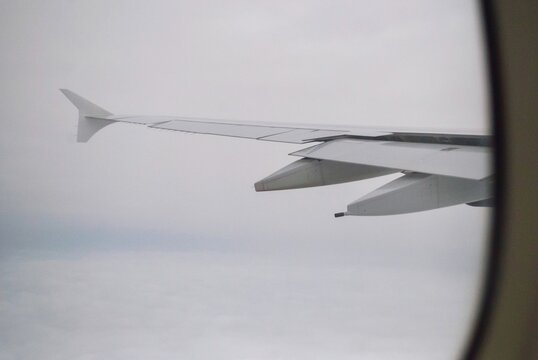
(151, 305)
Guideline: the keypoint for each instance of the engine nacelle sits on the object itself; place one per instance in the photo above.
(311, 172)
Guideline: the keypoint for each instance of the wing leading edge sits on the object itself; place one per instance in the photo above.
(439, 170)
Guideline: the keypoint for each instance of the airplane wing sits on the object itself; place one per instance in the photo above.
(438, 170)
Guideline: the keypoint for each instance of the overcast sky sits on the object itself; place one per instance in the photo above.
(148, 244)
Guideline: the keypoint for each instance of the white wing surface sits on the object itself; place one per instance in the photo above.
(439, 169)
(468, 162)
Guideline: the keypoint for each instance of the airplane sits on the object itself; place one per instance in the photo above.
(438, 170)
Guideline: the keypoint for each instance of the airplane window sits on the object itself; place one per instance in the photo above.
(139, 242)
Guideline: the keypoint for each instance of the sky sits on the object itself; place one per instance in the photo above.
(148, 244)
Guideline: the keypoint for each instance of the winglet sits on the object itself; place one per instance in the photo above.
(87, 124)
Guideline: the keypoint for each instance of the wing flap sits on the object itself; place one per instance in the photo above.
(260, 131)
(245, 130)
(223, 129)
(301, 136)
(469, 162)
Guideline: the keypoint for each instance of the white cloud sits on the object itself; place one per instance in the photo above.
(151, 305)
